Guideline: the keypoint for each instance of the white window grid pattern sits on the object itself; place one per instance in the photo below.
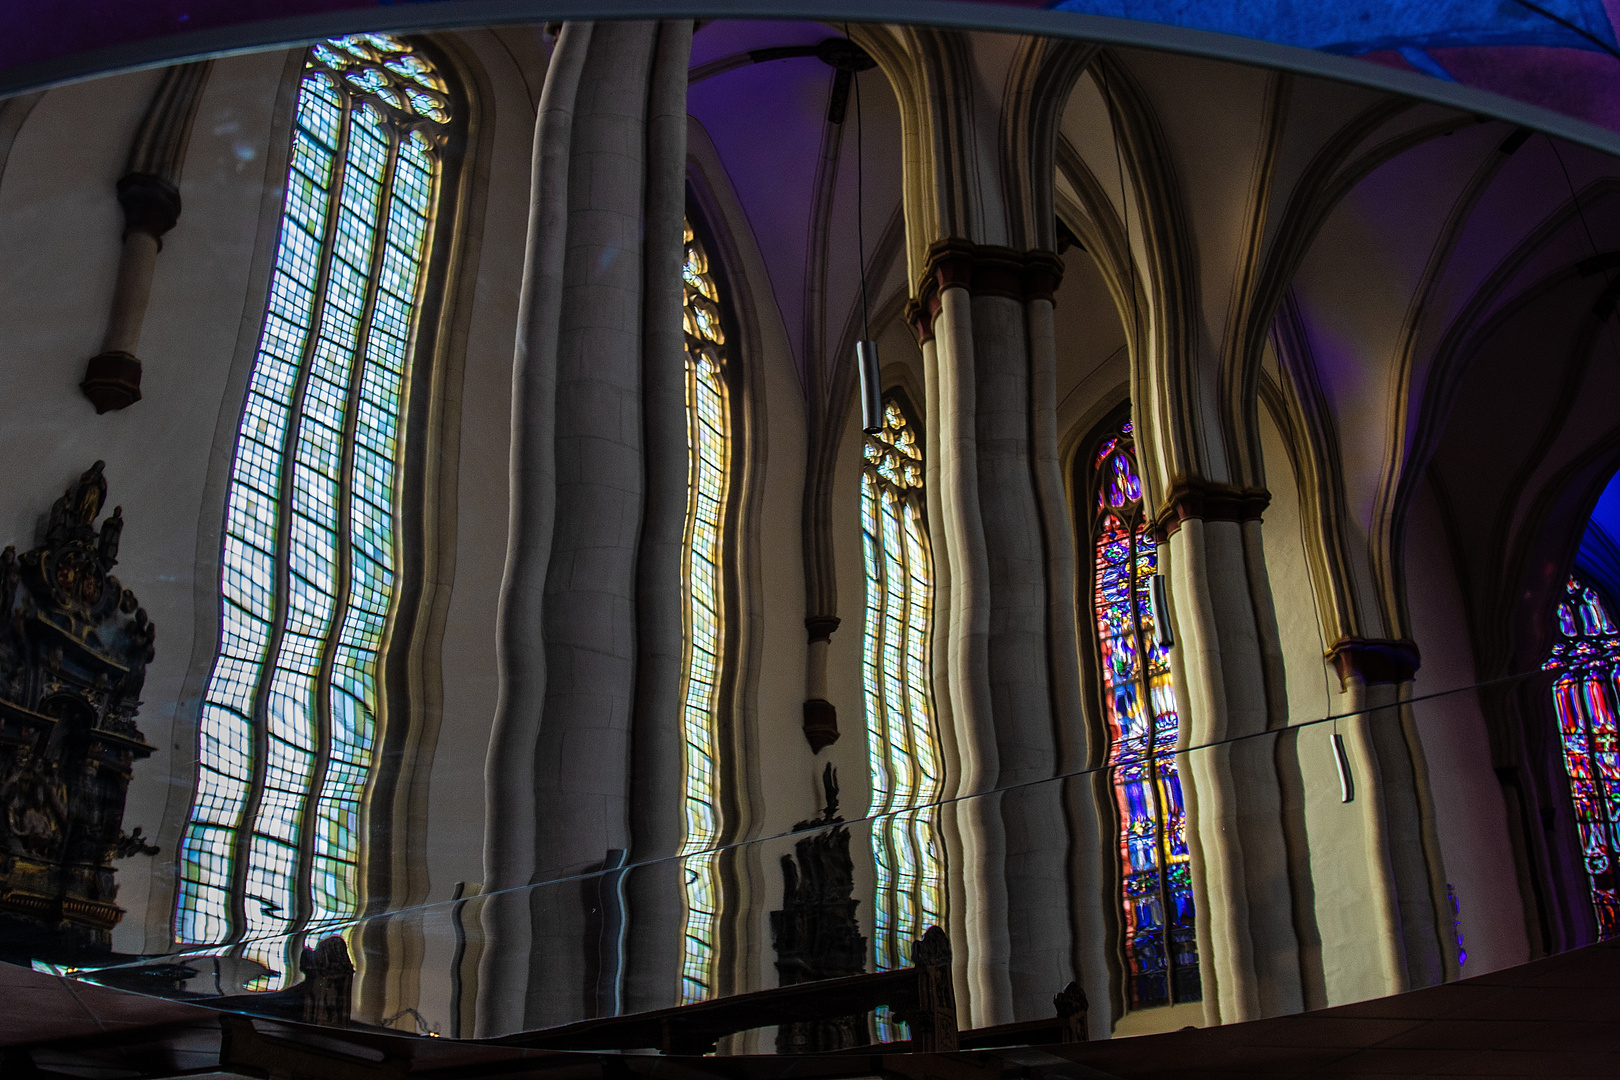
(342, 307)
(902, 737)
(708, 481)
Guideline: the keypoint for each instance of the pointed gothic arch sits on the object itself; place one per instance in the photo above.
(315, 575)
(1136, 700)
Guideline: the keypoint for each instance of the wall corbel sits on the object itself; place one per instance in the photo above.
(149, 193)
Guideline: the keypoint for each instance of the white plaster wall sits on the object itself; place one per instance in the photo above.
(782, 760)
(60, 225)
(1337, 888)
(1092, 365)
(1293, 594)
(1469, 810)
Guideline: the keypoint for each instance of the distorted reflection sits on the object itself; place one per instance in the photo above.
(708, 454)
(1218, 626)
(1587, 660)
(907, 778)
(288, 727)
(1139, 702)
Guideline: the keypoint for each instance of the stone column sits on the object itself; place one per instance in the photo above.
(1391, 790)
(149, 194)
(966, 626)
(1064, 607)
(510, 814)
(652, 965)
(1000, 607)
(599, 333)
(582, 757)
(1231, 692)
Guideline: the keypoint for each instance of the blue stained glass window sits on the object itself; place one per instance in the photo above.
(1139, 709)
(1587, 659)
(271, 851)
(708, 481)
(902, 740)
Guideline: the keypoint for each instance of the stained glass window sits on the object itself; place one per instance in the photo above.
(1587, 659)
(708, 442)
(309, 560)
(902, 741)
(1139, 710)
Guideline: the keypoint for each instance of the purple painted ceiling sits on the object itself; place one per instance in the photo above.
(1557, 65)
(768, 123)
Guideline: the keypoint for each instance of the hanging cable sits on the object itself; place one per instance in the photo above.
(866, 354)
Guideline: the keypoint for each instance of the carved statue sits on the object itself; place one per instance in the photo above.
(74, 645)
(1072, 1008)
(816, 934)
(933, 1024)
(328, 986)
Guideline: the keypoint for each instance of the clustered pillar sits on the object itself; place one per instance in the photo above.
(588, 622)
(973, 306)
(1388, 768)
(1229, 672)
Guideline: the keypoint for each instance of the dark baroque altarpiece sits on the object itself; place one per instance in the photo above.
(74, 646)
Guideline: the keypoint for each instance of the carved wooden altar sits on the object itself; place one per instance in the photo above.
(74, 645)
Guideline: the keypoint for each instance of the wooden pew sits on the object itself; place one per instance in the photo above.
(921, 996)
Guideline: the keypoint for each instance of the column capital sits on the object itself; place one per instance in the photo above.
(1207, 500)
(1378, 661)
(983, 270)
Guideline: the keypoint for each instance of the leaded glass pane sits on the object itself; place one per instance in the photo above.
(1139, 710)
(308, 560)
(1587, 659)
(902, 740)
(708, 478)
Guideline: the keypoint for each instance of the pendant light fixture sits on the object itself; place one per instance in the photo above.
(1160, 602)
(866, 351)
(1347, 783)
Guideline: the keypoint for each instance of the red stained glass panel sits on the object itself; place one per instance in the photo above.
(1587, 658)
(1139, 707)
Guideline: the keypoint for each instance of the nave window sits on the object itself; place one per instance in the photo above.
(902, 739)
(1139, 711)
(1586, 656)
(310, 557)
(708, 443)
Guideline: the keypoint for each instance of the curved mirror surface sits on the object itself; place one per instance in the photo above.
(465, 581)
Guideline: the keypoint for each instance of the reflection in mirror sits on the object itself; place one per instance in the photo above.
(1218, 628)
(288, 726)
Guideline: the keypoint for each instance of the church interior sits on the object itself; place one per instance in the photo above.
(618, 524)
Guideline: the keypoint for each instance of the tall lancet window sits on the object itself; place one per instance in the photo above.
(708, 441)
(310, 557)
(902, 741)
(1587, 659)
(1139, 710)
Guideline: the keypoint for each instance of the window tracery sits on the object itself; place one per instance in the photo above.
(708, 482)
(1139, 709)
(902, 739)
(309, 560)
(1587, 659)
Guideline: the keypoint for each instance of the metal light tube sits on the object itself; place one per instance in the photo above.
(1161, 612)
(866, 360)
(1347, 783)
